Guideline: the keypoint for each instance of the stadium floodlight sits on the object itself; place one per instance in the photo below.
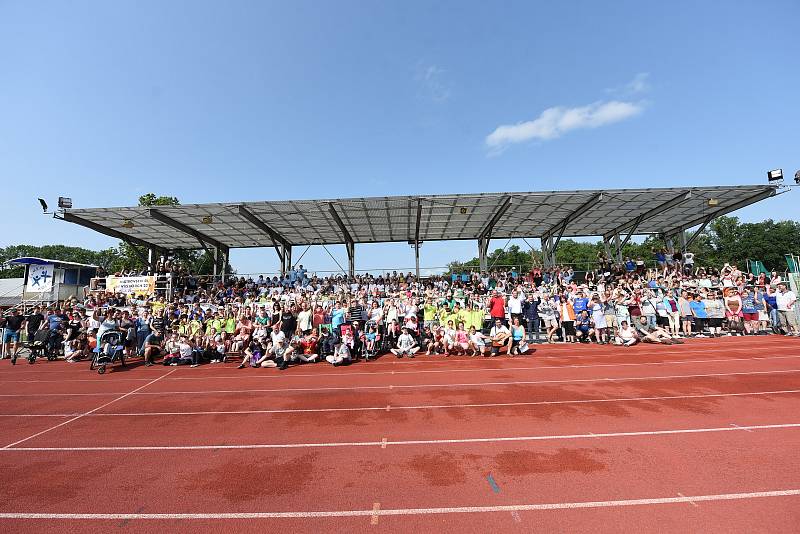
(127, 223)
(775, 175)
(64, 202)
(44, 205)
(797, 177)
(208, 219)
(713, 202)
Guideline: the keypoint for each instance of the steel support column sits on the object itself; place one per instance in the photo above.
(351, 259)
(483, 249)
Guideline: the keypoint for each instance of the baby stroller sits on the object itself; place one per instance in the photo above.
(39, 346)
(110, 348)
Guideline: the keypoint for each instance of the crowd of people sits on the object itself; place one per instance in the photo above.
(300, 318)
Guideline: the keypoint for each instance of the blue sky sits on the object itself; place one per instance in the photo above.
(214, 102)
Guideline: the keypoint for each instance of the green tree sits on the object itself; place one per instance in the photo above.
(103, 258)
(726, 240)
(199, 262)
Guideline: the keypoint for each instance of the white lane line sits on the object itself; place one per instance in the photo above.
(740, 428)
(689, 501)
(448, 371)
(420, 406)
(414, 511)
(408, 386)
(68, 421)
(383, 443)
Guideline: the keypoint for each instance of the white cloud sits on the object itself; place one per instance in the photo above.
(556, 121)
(638, 85)
(432, 82)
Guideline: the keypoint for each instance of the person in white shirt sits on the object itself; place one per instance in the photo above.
(304, 319)
(341, 355)
(406, 345)
(499, 336)
(626, 335)
(688, 262)
(786, 299)
(477, 342)
(515, 305)
(280, 348)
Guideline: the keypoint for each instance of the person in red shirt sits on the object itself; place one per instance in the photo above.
(497, 307)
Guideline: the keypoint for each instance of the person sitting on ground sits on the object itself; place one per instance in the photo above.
(214, 346)
(153, 346)
(307, 350)
(186, 354)
(654, 334)
(449, 339)
(406, 345)
(461, 341)
(77, 349)
(626, 335)
(171, 347)
(477, 342)
(428, 339)
(257, 355)
(327, 341)
(499, 335)
(279, 347)
(341, 354)
(517, 338)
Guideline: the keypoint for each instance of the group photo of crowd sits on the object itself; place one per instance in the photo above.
(301, 318)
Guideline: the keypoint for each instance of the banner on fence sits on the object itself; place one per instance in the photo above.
(131, 285)
(40, 278)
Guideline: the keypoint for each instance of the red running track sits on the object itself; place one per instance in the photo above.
(700, 437)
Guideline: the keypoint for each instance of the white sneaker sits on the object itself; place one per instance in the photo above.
(195, 365)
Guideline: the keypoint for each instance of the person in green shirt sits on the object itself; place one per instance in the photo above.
(459, 315)
(429, 313)
(230, 323)
(215, 324)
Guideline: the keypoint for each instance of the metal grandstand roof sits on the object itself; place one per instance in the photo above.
(420, 217)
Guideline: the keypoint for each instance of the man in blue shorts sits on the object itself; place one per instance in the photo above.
(11, 333)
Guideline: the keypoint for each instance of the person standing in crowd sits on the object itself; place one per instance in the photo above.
(700, 314)
(786, 300)
(530, 311)
(750, 309)
(497, 307)
(715, 311)
(12, 328)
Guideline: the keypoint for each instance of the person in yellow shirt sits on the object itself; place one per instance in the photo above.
(429, 313)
